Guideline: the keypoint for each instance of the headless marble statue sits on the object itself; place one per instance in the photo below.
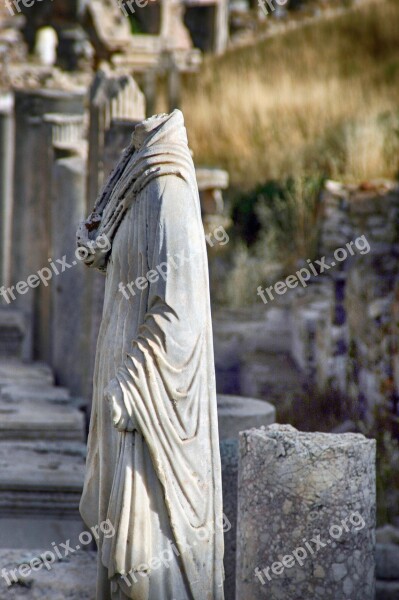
(153, 466)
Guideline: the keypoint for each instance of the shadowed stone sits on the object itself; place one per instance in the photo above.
(229, 456)
(387, 557)
(235, 414)
(387, 590)
(12, 331)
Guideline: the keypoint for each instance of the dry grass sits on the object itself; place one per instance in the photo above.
(321, 99)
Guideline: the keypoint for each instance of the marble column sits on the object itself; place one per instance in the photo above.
(221, 26)
(306, 515)
(111, 97)
(70, 315)
(235, 414)
(32, 193)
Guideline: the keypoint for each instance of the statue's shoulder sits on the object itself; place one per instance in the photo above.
(170, 198)
(167, 187)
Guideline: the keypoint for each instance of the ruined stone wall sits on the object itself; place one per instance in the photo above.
(345, 325)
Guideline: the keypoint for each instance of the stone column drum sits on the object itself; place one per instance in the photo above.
(306, 515)
(32, 193)
(71, 290)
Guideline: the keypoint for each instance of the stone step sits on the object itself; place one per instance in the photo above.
(29, 469)
(42, 458)
(40, 489)
(50, 393)
(40, 420)
(17, 372)
(73, 577)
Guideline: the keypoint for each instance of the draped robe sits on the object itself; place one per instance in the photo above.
(160, 485)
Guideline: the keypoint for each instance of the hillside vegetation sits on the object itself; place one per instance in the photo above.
(321, 100)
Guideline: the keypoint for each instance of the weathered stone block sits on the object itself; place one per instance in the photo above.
(41, 420)
(37, 374)
(306, 515)
(72, 578)
(18, 393)
(40, 488)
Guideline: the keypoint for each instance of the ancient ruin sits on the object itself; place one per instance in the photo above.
(76, 78)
